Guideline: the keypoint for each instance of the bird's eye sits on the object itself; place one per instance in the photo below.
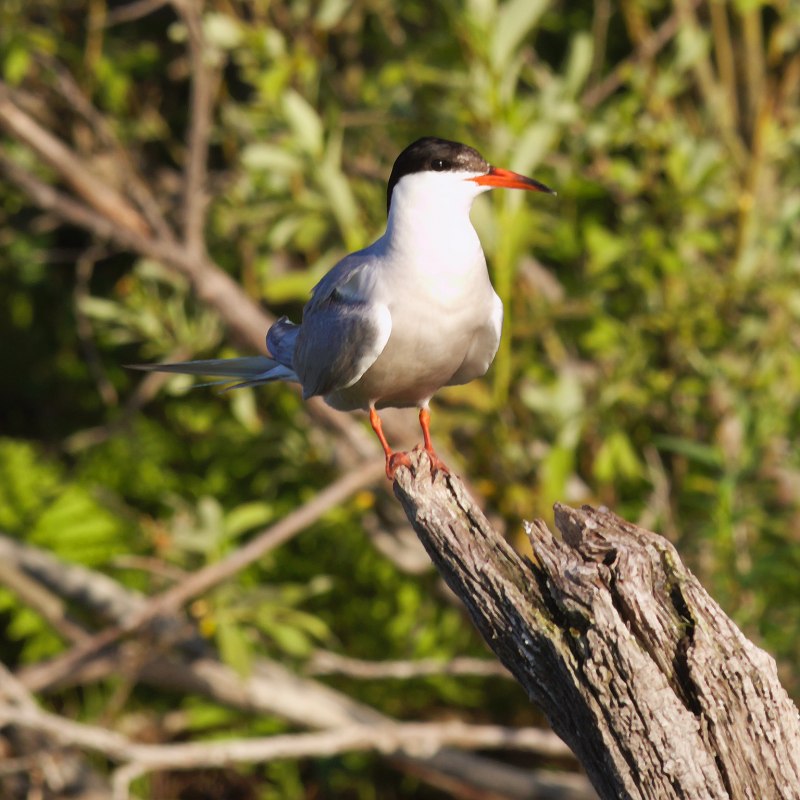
(440, 165)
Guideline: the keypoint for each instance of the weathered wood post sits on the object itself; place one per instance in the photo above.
(640, 672)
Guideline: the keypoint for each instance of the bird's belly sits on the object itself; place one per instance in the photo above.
(425, 349)
(409, 371)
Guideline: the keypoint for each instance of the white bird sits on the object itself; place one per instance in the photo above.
(391, 324)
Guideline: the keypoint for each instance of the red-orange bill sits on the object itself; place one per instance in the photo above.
(506, 179)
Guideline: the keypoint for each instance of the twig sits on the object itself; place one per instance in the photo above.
(71, 92)
(96, 192)
(133, 11)
(195, 196)
(84, 266)
(42, 675)
(50, 607)
(13, 690)
(417, 739)
(649, 48)
(327, 663)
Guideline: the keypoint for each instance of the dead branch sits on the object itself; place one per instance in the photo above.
(195, 193)
(326, 663)
(638, 669)
(92, 189)
(133, 11)
(419, 740)
(410, 740)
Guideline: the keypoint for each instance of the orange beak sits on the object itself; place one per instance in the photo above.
(506, 179)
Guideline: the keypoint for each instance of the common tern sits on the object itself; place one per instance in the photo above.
(391, 324)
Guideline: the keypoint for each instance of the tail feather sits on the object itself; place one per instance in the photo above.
(252, 370)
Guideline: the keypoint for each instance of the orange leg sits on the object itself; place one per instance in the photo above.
(393, 460)
(437, 464)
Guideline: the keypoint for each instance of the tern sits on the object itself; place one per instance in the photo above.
(391, 324)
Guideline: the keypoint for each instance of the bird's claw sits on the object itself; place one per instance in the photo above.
(437, 465)
(396, 460)
(402, 459)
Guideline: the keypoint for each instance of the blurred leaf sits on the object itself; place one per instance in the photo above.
(234, 648)
(616, 460)
(16, 64)
(246, 517)
(579, 64)
(331, 12)
(304, 121)
(222, 31)
(696, 451)
(263, 156)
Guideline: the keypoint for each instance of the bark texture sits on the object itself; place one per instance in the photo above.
(640, 672)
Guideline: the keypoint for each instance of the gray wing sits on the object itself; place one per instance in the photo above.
(344, 329)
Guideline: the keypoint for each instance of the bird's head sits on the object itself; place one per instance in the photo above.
(452, 173)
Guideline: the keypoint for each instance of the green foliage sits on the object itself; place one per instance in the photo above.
(40, 504)
(649, 358)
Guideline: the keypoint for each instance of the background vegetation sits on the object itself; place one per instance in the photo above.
(649, 359)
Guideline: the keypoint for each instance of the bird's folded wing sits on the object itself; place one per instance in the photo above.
(344, 330)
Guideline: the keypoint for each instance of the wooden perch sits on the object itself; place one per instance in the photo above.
(640, 672)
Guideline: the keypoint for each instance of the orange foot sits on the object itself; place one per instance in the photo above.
(437, 465)
(396, 460)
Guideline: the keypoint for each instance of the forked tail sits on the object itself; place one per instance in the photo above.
(248, 371)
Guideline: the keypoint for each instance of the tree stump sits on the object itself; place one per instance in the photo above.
(639, 671)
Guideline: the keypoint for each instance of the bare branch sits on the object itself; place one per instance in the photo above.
(96, 192)
(72, 93)
(326, 663)
(133, 11)
(195, 195)
(42, 601)
(93, 590)
(418, 740)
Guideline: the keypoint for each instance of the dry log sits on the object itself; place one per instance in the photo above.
(641, 673)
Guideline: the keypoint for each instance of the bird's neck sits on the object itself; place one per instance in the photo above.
(432, 232)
